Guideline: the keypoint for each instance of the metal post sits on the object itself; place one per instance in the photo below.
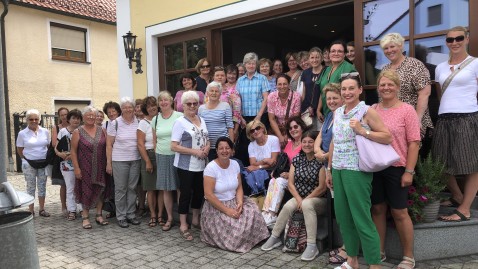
(3, 122)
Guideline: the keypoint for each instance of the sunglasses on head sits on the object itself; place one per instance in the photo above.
(253, 130)
(352, 75)
(205, 66)
(457, 39)
(192, 104)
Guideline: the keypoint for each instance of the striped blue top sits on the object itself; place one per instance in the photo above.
(251, 90)
(218, 121)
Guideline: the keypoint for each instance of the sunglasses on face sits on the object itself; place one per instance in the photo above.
(205, 66)
(192, 104)
(253, 130)
(295, 127)
(457, 39)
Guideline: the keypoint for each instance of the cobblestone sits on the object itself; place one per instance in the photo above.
(64, 244)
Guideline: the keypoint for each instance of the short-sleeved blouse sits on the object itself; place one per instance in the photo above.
(164, 128)
(294, 80)
(145, 127)
(403, 124)
(35, 145)
(125, 147)
(218, 121)
(226, 179)
(232, 97)
(306, 174)
(345, 154)
(68, 164)
(291, 151)
(460, 96)
(276, 107)
(190, 136)
(414, 76)
(265, 151)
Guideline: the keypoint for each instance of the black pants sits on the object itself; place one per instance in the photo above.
(192, 190)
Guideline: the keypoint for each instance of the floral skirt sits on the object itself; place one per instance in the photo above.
(238, 235)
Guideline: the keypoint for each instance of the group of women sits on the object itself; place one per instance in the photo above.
(191, 151)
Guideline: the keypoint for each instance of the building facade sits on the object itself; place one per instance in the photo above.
(174, 34)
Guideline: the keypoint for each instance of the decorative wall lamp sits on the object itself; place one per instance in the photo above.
(132, 53)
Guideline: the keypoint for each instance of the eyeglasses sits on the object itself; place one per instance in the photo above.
(352, 75)
(205, 66)
(33, 119)
(295, 127)
(192, 104)
(253, 130)
(457, 39)
(336, 52)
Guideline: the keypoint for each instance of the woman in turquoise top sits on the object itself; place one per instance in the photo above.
(332, 74)
(352, 187)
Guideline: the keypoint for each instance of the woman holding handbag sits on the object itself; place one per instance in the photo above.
(352, 187)
(281, 105)
(311, 94)
(390, 186)
(457, 125)
(307, 188)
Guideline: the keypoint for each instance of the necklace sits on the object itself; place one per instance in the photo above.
(387, 108)
(165, 118)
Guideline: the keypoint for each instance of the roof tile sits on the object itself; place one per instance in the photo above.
(103, 10)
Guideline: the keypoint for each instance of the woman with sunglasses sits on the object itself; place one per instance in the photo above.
(352, 187)
(188, 83)
(307, 189)
(457, 126)
(414, 84)
(263, 149)
(295, 127)
(190, 142)
(32, 145)
(332, 74)
(203, 68)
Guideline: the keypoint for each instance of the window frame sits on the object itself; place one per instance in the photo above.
(68, 55)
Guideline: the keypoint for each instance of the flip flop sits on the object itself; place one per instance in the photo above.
(455, 212)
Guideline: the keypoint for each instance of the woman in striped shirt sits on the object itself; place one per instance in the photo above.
(217, 115)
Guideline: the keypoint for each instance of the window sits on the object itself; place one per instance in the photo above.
(182, 57)
(434, 15)
(68, 43)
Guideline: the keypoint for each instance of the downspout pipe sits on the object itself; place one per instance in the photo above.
(5, 85)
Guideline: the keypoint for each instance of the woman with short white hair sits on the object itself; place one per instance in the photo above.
(32, 146)
(123, 161)
(217, 115)
(190, 141)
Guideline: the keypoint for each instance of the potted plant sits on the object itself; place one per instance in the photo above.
(424, 195)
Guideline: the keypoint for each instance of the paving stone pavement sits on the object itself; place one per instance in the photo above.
(64, 244)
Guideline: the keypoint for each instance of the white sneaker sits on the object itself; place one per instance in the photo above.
(310, 253)
(271, 243)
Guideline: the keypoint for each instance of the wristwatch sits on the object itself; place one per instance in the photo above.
(260, 166)
(412, 172)
(367, 133)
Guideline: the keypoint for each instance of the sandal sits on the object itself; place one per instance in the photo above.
(71, 216)
(461, 217)
(43, 213)
(335, 251)
(101, 222)
(383, 257)
(167, 226)
(153, 222)
(407, 263)
(451, 202)
(88, 225)
(337, 259)
(186, 235)
(161, 222)
(110, 215)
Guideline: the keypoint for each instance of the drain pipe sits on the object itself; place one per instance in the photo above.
(5, 86)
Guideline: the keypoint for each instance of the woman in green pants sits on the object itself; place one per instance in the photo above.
(352, 188)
